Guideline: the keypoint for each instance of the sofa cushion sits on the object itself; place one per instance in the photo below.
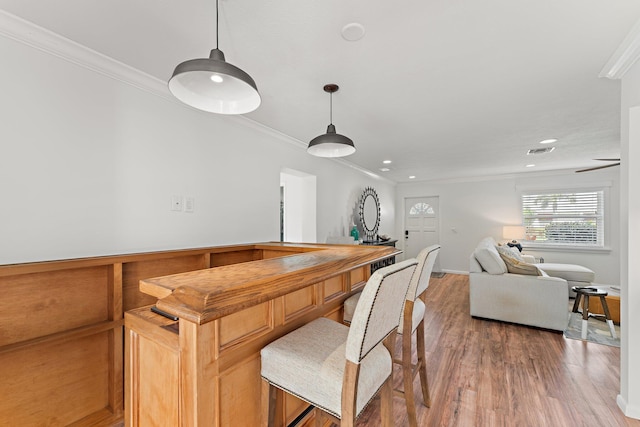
(489, 258)
(510, 252)
(520, 267)
(569, 272)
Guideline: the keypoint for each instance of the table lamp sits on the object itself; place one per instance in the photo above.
(513, 233)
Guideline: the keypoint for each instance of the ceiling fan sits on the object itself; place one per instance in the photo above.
(602, 167)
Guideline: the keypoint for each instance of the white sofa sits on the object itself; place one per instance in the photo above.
(494, 293)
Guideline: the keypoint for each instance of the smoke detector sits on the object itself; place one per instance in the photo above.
(353, 32)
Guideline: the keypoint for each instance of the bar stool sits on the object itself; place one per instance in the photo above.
(339, 369)
(586, 292)
(412, 321)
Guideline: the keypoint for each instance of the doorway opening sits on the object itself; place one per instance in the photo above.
(297, 206)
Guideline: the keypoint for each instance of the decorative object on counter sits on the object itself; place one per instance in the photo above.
(331, 144)
(354, 233)
(213, 85)
(369, 212)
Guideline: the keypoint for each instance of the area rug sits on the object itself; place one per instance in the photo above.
(598, 330)
(438, 275)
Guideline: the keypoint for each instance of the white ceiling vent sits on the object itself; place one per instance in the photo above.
(541, 150)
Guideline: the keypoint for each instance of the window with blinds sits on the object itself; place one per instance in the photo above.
(564, 219)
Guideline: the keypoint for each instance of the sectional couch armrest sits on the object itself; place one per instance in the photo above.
(529, 258)
(539, 301)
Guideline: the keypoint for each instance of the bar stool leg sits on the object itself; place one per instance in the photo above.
(585, 316)
(607, 315)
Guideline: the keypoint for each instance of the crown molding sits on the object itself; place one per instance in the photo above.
(30, 34)
(624, 57)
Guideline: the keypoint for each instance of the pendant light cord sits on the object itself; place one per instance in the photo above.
(331, 108)
(217, 24)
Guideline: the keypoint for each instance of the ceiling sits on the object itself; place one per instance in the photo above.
(442, 88)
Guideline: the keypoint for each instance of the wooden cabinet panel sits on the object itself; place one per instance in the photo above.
(70, 299)
(299, 302)
(235, 257)
(334, 287)
(245, 324)
(335, 315)
(54, 384)
(266, 253)
(157, 406)
(133, 272)
(293, 407)
(239, 390)
(358, 278)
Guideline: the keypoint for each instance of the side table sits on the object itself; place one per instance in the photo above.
(613, 302)
(586, 292)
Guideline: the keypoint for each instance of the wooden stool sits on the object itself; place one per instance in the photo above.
(587, 292)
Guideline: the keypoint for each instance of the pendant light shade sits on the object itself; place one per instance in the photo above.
(331, 144)
(213, 85)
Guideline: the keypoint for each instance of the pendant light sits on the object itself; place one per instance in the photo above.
(213, 85)
(331, 144)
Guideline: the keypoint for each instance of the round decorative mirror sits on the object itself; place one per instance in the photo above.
(369, 213)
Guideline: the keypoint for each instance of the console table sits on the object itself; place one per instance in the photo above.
(385, 262)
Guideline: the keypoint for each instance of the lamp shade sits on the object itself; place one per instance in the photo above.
(331, 144)
(513, 232)
(213, 85)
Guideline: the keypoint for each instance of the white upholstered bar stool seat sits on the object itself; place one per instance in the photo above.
(416, 308)
(339, 369)
(314, 370)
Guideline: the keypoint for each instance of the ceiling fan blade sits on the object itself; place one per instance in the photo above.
(598, 167)
(608, 160)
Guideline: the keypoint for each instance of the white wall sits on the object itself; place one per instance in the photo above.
(629, 398)
(89, 164)
(474, 209)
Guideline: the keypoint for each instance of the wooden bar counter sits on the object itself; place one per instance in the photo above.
(204, 369)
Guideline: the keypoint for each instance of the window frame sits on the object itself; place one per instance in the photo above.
(603, 245)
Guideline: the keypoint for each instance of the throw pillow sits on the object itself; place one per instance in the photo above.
(519, 267)
(509, 251)
(489, 259)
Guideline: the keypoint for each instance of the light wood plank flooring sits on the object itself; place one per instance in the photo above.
(488, 373)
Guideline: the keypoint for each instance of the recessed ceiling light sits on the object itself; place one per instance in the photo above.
(386, 162)
(353, 32)
(529, 166)
(549, 141)
(385, 169)
(412, 177)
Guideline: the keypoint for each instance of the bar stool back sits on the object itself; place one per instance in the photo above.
(339, 369)
(412, 321)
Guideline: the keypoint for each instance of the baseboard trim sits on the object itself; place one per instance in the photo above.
(630, 411)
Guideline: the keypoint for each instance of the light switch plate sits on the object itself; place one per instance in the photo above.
(176, 203)
(189, 204)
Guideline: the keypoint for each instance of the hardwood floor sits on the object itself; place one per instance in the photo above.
(487, 373)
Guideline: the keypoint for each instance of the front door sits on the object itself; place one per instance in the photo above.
(421, 224)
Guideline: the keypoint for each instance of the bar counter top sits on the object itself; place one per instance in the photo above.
(202, 296)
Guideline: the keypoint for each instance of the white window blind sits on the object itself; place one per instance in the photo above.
(564, 219)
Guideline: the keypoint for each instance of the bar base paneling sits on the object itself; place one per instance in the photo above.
(226, 316)
(62, 341)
